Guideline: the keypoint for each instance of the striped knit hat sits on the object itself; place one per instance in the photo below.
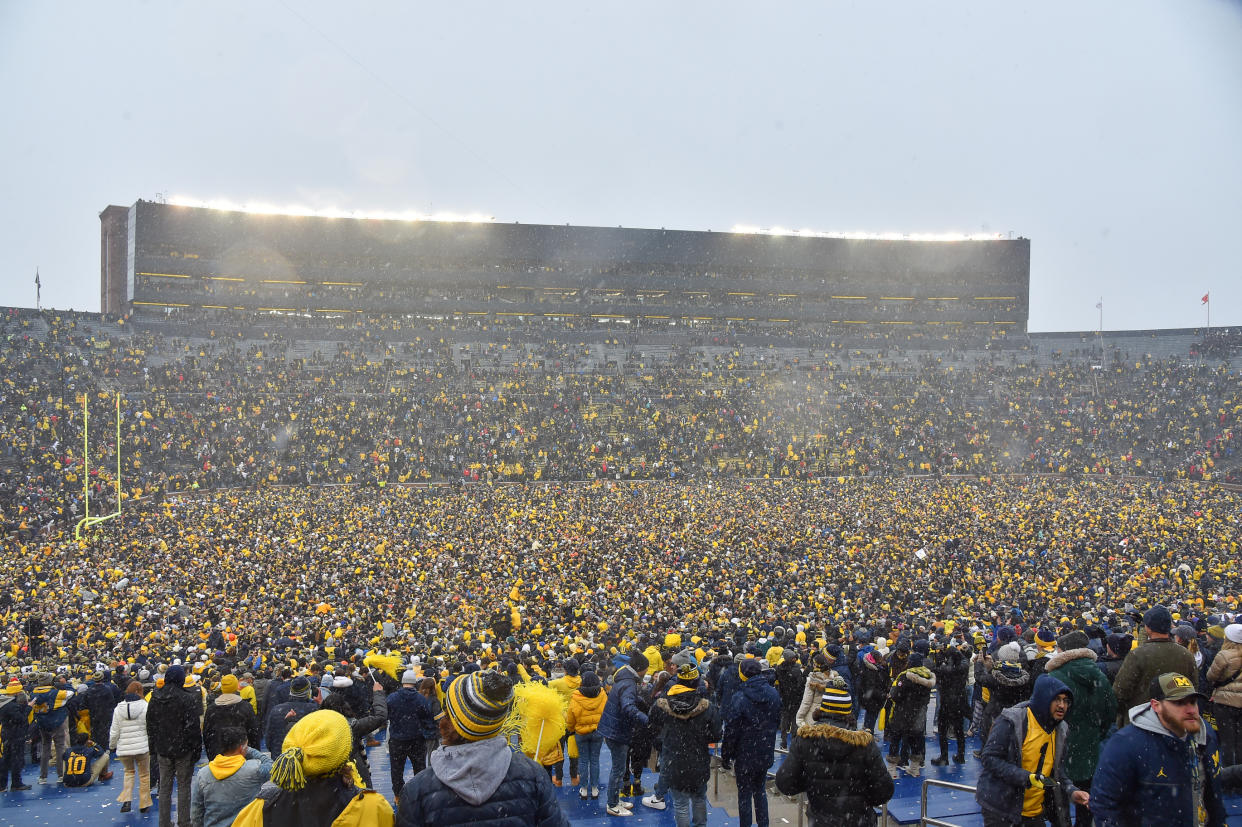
(837, 700)
(478, 703)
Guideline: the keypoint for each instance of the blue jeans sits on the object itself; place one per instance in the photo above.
(750, 789)
(588, 759)
(661, 784)
(684, 801)
(620, 754)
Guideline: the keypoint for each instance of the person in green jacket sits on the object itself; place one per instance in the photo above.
(1091, 715)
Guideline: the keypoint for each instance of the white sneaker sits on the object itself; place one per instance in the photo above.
(582, 793)
(629, 805)
(595, 792)
(617, 811)
(653, 802)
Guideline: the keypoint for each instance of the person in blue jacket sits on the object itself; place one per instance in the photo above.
(617, 722)
(475, 778)
(751, 722)
(1025, 750)
(1163, 770)
(409, 714)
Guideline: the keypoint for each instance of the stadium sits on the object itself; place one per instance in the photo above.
(361, 444)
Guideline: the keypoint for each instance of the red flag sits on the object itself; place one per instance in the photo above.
(1205, 297)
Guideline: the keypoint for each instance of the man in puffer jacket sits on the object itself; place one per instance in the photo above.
(228, 709)
(950, 667)
(617, 724)
(790, 683)
(1164, 768)
(839, 768)
(474, 778)
(906, 724)
(176, 740)
(690, 722)
(1025, 748)
(51, 718)
(751, 722)
(14, 733)
(229, 781)
(1092, 713)
(1005, 684)
(871, 683)
(408, 711)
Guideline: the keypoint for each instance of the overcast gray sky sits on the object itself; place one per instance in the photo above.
(1109, 133)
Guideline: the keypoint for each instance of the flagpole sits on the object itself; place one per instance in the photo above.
(1103, 355)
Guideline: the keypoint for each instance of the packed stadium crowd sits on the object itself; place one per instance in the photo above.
(199, 411)
(717, 542)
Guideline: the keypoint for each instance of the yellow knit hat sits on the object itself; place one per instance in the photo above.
(228, 685)
(317, 745)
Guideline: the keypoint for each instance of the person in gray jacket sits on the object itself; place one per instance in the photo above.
(229, 782)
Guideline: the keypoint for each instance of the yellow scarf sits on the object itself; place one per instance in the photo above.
(222, 766)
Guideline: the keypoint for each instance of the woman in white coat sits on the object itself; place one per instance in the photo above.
(129, 739)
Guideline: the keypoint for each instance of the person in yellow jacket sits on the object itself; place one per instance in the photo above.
(566, 685)
(586, 706)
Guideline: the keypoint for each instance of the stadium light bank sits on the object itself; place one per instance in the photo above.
(480, 218)
(744, 229)
(325, 212)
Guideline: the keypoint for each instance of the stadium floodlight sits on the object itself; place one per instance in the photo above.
(260, 208)
(749, 229)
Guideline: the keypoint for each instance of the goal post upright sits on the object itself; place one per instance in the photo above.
(87, 520)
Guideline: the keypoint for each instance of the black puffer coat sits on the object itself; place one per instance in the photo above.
(840, 770)
(1007, 686)
(690, 723)
(790, 682)
(911, 692)
(172, 722)
(951, 668)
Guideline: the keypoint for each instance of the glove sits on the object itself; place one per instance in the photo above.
(1035, 782)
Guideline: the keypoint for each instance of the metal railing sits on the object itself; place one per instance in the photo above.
(931, 782)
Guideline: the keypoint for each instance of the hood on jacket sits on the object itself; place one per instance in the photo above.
(1061, 658)
(589, 691)
(228, 699)
(757, 688)
(1146, 719)
(625, 673)
(920, 675)
(1047, 688)
(853, 737)
(475, 770)
(817, 680)
(684, 705)
(1011, 674)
